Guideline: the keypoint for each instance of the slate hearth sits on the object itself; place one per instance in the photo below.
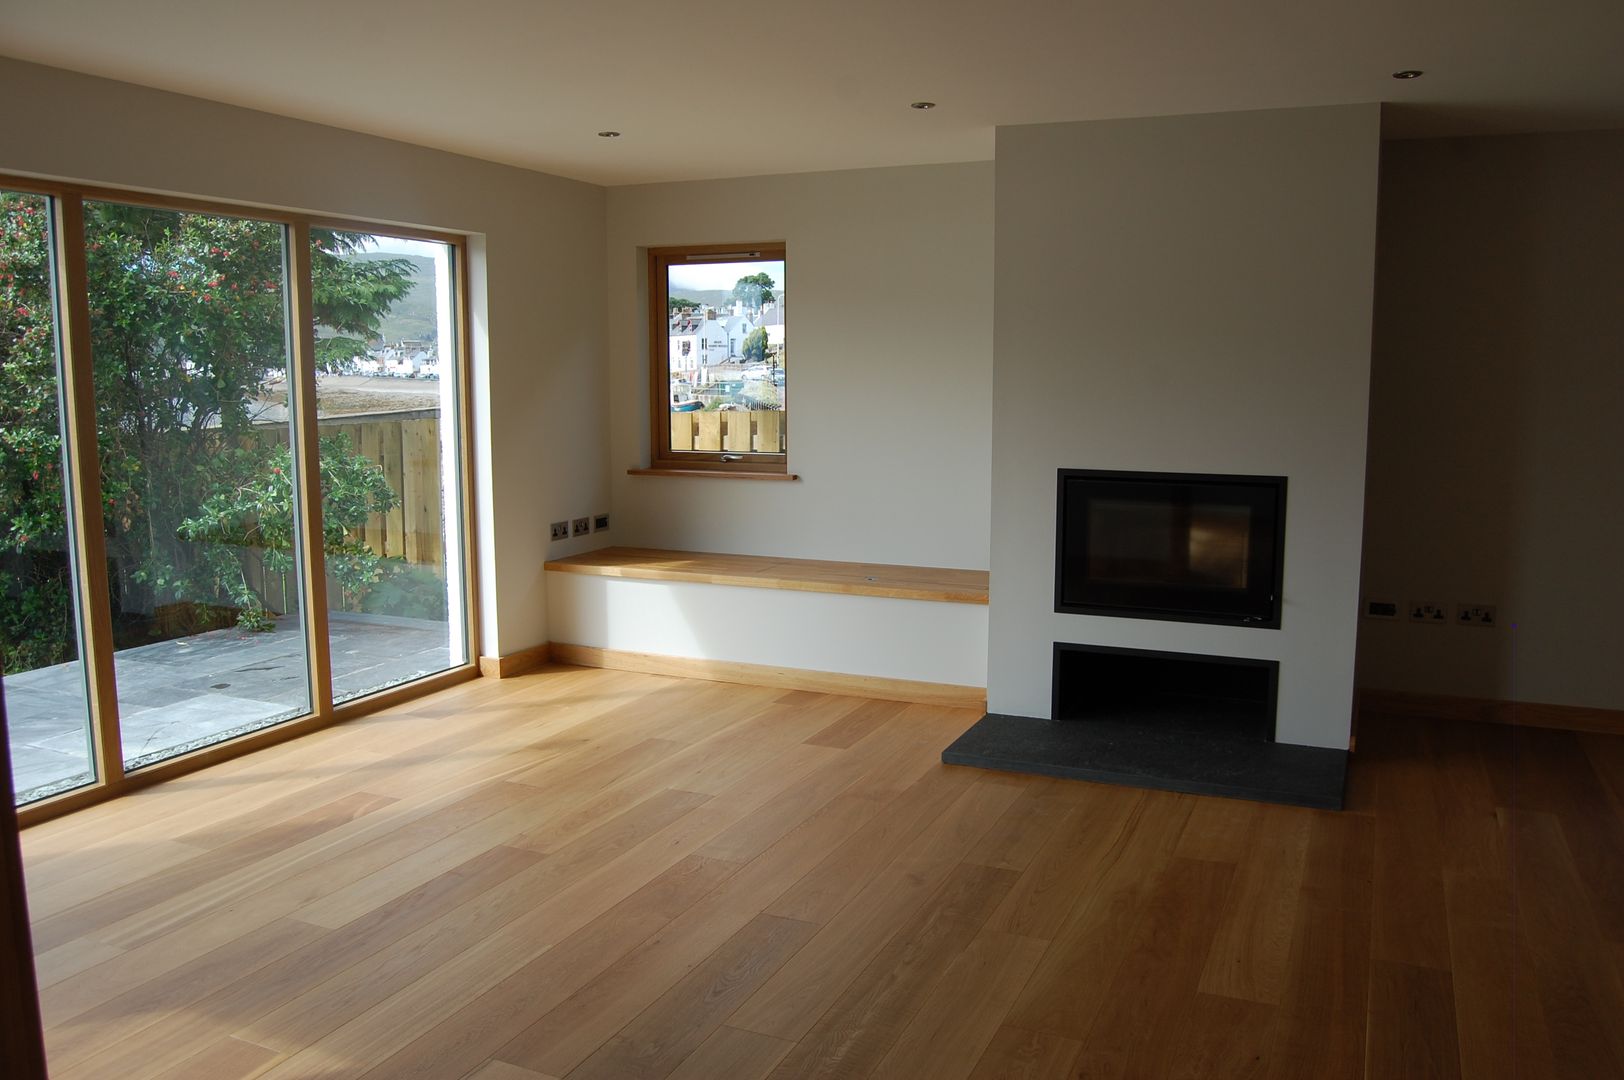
(1140, 755)
(1149, 718)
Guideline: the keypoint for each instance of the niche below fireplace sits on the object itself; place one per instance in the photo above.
(1174, 721)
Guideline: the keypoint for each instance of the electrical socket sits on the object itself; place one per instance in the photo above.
(1380, 609)
(600, 523)
(1428, 611)
(561, 530)
(582, 526)
(1482, 616)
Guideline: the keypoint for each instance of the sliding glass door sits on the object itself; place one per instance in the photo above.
(41, 646)
(390, 451)
(191, 339)
(270, 491)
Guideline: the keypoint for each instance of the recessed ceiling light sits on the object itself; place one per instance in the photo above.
(922, 105)
(608, 134)
(1408, 73)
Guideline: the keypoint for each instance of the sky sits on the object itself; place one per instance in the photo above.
(722, 275)
(396, 245)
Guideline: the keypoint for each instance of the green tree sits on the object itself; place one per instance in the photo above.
(187, 330)
(755, 345)
(755, 289)
(681, 303)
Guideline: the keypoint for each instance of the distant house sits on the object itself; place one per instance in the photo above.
(698, 341)
(738, 328)
(771, 319)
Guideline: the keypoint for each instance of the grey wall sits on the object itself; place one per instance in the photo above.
(890, 378)
(1188, 294)
(1496, 442)
(535, 281)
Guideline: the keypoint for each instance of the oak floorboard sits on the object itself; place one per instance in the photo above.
(1498, 1014)
(94, 915)
(614, 874)
(955, 1024)
(1248, 957)
(1412, 1023)
(256, 993)
(1154, 988)
(853, 1036)
(560, 1040)
(228, 1059)
(668, 1031)
(501, 1070)
(794, 999)
(1017, 837)
(1578, 983)
(1218, 1037)
(735, 1054)
(476, 1030)
(1318, 1028)
(1073, 858)
(1411, 925)
(1073, 982)
(1015, 1054)
(855, 724)
(828, 887)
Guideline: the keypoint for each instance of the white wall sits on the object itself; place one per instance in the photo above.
(1186, 294)
(535, 283)
(890, 378)
(1496, 449)
(922, 640)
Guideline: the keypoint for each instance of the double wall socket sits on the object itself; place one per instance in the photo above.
(1428, 611)
(582, 526)
(1482, 616)
(561, 530)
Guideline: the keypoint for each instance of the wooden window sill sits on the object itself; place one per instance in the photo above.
(716, 474)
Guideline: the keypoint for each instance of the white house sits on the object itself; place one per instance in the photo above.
(738, 328)
(772, 320)
(699, 341)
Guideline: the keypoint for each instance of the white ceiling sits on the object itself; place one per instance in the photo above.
(710, 88)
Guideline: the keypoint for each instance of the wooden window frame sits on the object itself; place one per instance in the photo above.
(67, 201)
(688, 462)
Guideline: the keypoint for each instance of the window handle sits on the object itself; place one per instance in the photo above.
(732, 457)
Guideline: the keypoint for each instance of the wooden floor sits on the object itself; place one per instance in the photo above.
(597, 874)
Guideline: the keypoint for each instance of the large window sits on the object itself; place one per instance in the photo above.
(389, 453)
(47, 709)
(276, 525)
(718, 367)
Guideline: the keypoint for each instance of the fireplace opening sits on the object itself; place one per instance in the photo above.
(1165, 693)
(1181, 546)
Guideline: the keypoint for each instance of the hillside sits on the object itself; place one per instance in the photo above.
(413, 315)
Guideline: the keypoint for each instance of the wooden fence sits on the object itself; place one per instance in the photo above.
(408, 451)
(406, 446)
(753, 432)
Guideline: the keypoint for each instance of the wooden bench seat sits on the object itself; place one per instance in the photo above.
(770, 572)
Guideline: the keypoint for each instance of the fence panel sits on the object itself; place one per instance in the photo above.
(420, 490)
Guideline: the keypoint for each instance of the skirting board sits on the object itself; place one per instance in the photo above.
(821, 682)
(516, 663)
(1393, 703)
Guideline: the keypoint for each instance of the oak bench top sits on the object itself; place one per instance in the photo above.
(770, 572)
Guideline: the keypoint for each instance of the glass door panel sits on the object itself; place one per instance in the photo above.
(391, 458)
(40, 641)
(190, 336)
